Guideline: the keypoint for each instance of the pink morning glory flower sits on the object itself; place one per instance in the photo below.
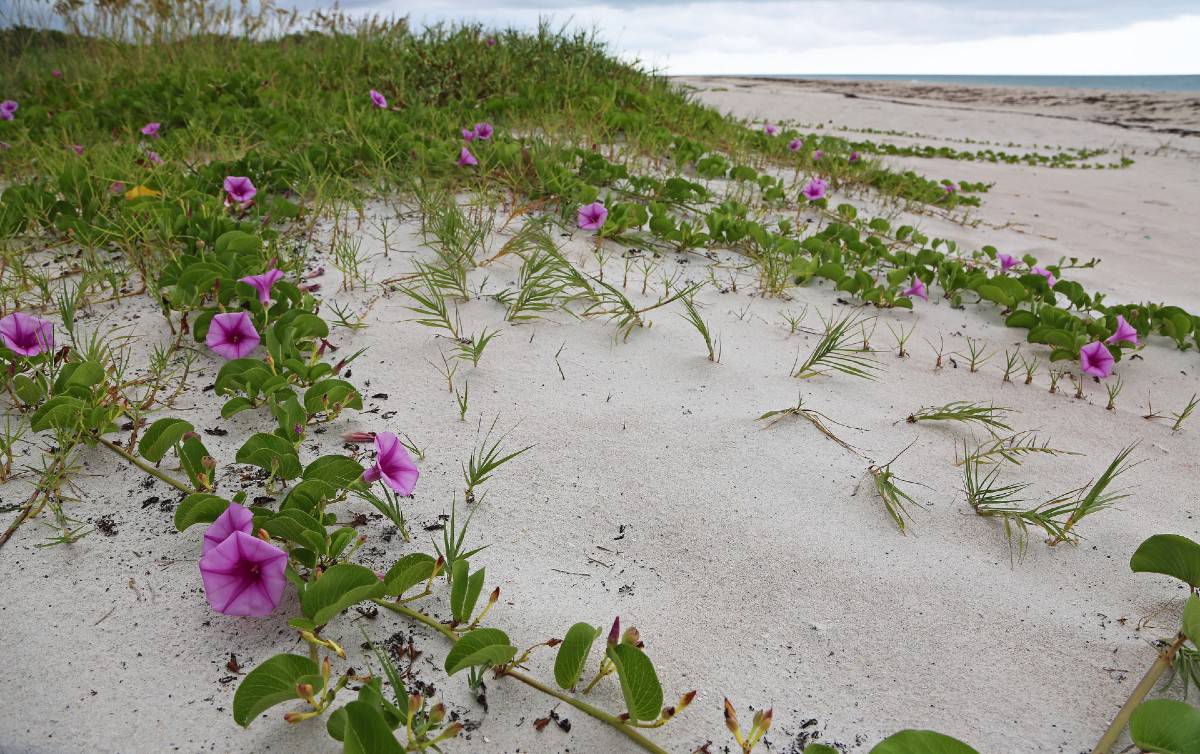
(262, 283)
(854, 157)
(239, 188)
(1007, 262)
(770, 128)
(468, 134)
(483, 130)
(815, 189)
(8, 106)
(465, 158)
(393, 465)
(26, 334)
(153, 157)
(592, 216)
(243, 575)
(151, 129)
(1125, 332)
(235, 518)
(77, 148)
(6, 115)
(818, 154)
(1044, 273)
(378, 99)
(1096, 360)
(232, 335)
(795, 145)
(916, 290)
(950, 188)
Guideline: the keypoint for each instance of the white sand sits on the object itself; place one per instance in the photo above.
(757, 563)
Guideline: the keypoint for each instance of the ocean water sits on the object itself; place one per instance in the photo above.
(1111, 83)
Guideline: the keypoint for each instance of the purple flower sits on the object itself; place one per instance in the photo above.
(1044, 273)
(490, 41)
(916, 290)
(26, 334)
(1007, 262)
(378, 99)
(815, 189)
(1125, 332)
(77, 148)
(151, 129)
(116, 187)
(5, 145)
(1095, 359)
(244, 575)
(818, 154)
(56, 73)
(262, 283)
(235, 518)
(6, 115)
(8, 106)
(592, 216)
(239, 188)
(153, 157)
(465, 158)
(483, 130)
(854, 157)
(950, 188)
(393, 465)
(770, 128)
(795, 145)
(232, 335)
(468, 134)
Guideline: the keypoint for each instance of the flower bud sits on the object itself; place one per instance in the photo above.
(414, 704)
(685, 700)
(631, 636)
(615, 633)
(438, 713)
(731, 721)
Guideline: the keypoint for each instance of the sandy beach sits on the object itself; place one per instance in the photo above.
(756, 561)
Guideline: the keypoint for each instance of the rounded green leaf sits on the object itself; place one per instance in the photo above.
(406, 573)
(820, 749)
(1191, 619)
(573, 654)
(367, 732)
(921, 742)
(337, 589)
(199, 508)
(271, 683)
(639, 683)
(1170, 555)
(1166, 726)
(162, 435)
(339, 471)
(272, 453)
(483, 646)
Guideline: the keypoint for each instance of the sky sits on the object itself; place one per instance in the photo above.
(977, 37)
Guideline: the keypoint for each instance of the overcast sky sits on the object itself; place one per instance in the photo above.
(852, 36)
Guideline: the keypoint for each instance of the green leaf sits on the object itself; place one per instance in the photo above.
(62, 412)
(29, 391)
(483, 646)
(573, 654)
(81, 373)
(921, 742)
(199, 508)
(271, 683)
(406, 573)
(339, 471)
(1166, 726)
(162, 435)
(1170, 555)
(639, 682)
(1191, 619)
(367, 732)
(235, 406)
(270, 452)
(820, 749)
(464, 590)
(337, 589)
(331, 393)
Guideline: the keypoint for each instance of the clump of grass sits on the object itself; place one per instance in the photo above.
(484, 460)
(816, 418)
(1114, 389)
(895, 499)
(840, 351)
(988, 415)
(977, 354)
(1180, 417)
(1011, 448)
(901, 336)
(692, 315)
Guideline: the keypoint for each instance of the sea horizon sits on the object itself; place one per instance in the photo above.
(1156, 83)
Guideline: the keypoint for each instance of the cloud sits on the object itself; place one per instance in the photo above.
(860, 36)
